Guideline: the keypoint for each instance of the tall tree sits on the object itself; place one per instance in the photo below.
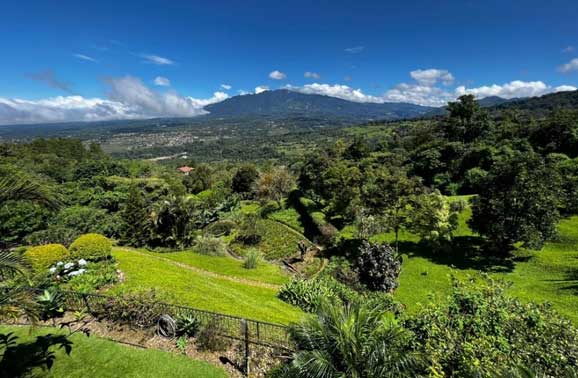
(518, 202)
(136, 227)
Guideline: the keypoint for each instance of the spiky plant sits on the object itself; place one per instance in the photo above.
(17, 186)
(351, 341)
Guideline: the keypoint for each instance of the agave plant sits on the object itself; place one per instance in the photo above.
(351, 341)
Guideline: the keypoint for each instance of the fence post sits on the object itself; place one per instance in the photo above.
(245, 329)
(86, 303)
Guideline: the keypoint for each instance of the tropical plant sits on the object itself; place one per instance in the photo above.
(187, 324)
(18, 186)
(51, 304)
(351, 340)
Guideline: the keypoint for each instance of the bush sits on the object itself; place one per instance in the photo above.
(248, 232)
(378, 266)
(480, 330)
(252, 259)
(210, 339)
(139, 309)
(210, 246)
(91, 247)
(220, 228)
(268, 208)
(44, 256)
(53, 234)
(308, 294)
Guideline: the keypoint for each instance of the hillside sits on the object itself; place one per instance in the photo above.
(286, 103)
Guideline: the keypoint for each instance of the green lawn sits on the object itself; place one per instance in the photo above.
(227, 266)
(549, 275)
(192, 288)
(94, 357)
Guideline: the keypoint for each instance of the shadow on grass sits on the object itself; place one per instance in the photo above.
(464, 252)
(570, 282)
(311, 231)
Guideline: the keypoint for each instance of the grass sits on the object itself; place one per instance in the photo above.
(94, 357)
(277, 240)
(289, 217)
(192, 288)
(548, 275)
(227, 266)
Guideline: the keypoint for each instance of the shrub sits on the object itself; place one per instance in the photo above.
(268, 208)
(252, 259)
(220, 228)
(91, 247)
(378, 266)
(480, 330)
(44, 256)
(211, 246)
(248, 232)
(308, 294)
(139, 309)
(53, 234)
(209, 338)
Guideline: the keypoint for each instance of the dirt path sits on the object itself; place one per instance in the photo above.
(204, 272)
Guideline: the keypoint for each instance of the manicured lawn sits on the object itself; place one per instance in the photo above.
(227, 266)
(191, 288)
(94, 357)
(549, 275)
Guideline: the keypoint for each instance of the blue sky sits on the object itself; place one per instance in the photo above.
(425, 52)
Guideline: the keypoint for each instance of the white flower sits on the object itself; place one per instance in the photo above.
(68, 265)
(76, 272)
(82, 262)
(60, 263)
(52, 270)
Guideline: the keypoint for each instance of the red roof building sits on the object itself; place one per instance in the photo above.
(184, 169)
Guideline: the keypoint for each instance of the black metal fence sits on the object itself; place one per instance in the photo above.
(233, 327)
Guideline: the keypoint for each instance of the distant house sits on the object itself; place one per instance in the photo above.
(185, 170)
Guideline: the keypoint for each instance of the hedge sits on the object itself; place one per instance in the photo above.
(44, 256)
(91, 247)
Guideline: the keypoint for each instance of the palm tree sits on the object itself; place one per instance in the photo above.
(351, 341)
(17, 186)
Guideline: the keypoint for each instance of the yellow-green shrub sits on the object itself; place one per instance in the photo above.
(43, 257)
(91, 247)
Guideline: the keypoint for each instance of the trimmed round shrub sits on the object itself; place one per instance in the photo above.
(91, 247)
(44, 256)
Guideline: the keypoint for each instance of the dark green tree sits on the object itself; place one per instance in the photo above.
(518, 202)
(245, 179)
(136, 223)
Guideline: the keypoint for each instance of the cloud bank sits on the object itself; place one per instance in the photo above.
(128, 98)
(430, 88)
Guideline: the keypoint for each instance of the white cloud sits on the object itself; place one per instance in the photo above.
(261, 89)
(565, 88)
(162, 81)
(513, 89)
(354, 50)
(418, 94)
(568, 49)
(128, 98)
(155, 59)
(569, 67)
(340, 91)
(312, 75)
(226, 87)
(277, 75)
(85, 57)
(432, 76)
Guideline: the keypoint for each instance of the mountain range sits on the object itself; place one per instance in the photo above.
(283, 103)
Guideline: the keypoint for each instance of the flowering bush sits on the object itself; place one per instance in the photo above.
(64, 271)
